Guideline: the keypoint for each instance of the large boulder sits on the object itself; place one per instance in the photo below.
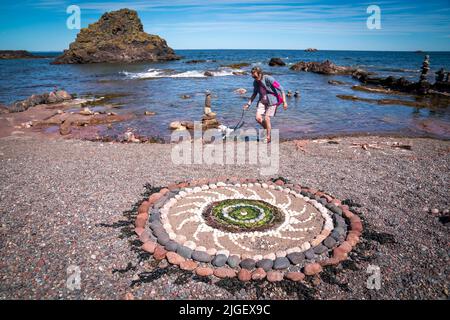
(276, 62)
(117, 37)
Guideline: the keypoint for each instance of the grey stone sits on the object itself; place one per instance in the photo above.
(338, 233)
(309, 254)
(163, 239)
(329, 242)
(160, 232)
(185, 252)
(281, 263)
(201, 256)
(266, 264)
(155, 216)
(296, 257)
(339, 221)
(320, 249)
(233, 261)
(160, 202)
(248, 264)
(219, 260)
(323, 201)
(171, 246)
(155, 224)
(336, 210)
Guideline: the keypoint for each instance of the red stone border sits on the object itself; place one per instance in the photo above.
(340, 253)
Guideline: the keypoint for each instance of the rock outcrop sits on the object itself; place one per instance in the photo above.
(117, 37)
(46, 98)
(276, 62)
(311, 50)
(325, 67)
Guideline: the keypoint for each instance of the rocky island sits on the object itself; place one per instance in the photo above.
(18, 54)
(117, 37)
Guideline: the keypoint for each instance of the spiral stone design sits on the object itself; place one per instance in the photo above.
(242, 215)
(244, 225)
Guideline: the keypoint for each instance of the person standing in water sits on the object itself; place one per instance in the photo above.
(271, 95)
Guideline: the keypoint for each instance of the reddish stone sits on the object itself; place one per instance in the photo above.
(356, 226)
(172, 186)
(144, 237)
(174, 258)
(149, 246)
(339, 254)
(203, 181)
(328, 262)
(244, 275)
(259, 274)
(141, 220)
(143, 208)
(347, 213)
(183, 185)
(154, 197)
(320, 194)
(139, 231)
(204, 271)
(242, 180)
(346, 246)
(160, 253)
(163, 191)
(224, 273)
(279, 182)
(233, 180)
(352, 238)
(327, 197)
(251, 180)
(344, 207)
(274, 276)
(188, 265)
(128, 296)
(336, 202)
(313, 191)
(312, 269)
(295, 276)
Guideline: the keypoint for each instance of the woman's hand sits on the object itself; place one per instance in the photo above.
(285, 105)
(246, 106)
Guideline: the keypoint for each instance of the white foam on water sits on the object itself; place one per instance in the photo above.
(160, 73)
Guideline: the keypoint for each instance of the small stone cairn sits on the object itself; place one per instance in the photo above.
(209, 118)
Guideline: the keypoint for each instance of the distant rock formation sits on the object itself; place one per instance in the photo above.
(311, 50)
(18, 54)
(276, 62)
(117, 37)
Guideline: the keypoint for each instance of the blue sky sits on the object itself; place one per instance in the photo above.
(40, 25)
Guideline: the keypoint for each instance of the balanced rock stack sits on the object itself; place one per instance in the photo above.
(424, 85)
(209, 118)
(425, 68)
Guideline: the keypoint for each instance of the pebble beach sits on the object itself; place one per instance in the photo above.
(70, 202)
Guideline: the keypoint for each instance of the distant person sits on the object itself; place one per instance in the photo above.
(271, 95)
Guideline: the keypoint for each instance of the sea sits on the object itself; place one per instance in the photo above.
(175, 90)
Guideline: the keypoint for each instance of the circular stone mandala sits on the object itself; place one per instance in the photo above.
(247, 226)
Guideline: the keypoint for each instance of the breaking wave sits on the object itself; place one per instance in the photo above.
(162, 73)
